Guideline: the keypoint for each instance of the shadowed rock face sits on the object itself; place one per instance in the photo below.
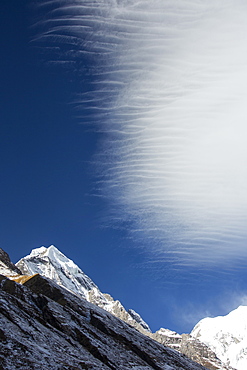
(43, 326)
(4, 257)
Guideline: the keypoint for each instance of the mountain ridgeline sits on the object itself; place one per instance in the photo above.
(55, 317)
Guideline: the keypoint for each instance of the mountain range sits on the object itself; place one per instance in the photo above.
(51, 289)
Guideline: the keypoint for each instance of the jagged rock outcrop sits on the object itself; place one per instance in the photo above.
(139, 319)
(44, 326)
(6, 265)
(191, 347)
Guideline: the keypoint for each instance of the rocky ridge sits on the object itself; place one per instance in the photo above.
(45, 326)
(50, 262)
(192, 348)
(6, 266)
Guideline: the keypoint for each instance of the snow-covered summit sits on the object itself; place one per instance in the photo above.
(226, 336)
(53, 264)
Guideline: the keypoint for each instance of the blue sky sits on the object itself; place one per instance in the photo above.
(125, 148)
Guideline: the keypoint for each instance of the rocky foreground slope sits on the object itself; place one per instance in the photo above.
(50, 262)
(46, 300)
(44, 326)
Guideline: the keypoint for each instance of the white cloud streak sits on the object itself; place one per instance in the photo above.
(169, 91)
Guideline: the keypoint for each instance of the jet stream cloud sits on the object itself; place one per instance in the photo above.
(168, 91)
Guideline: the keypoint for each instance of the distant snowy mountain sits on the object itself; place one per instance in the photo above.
(53, 264)
(226, 336)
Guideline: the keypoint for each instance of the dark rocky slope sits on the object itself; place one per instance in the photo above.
(53, 264)
(43, 326)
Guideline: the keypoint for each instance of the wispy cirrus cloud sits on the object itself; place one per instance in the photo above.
(168, 92)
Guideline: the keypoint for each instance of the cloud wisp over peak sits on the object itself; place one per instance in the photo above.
(168, 92)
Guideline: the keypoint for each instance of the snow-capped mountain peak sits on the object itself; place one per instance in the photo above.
(52, 263)
(59, 259)
(226, 336)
